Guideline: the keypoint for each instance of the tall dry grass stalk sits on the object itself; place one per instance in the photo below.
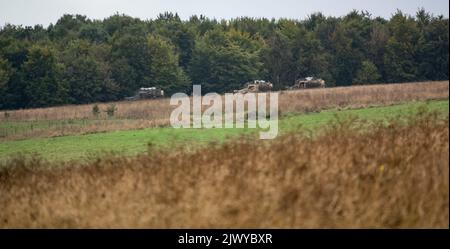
(390, 177)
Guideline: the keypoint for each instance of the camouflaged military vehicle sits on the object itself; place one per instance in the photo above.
(256, 86)
(147, 93)
(308, 82)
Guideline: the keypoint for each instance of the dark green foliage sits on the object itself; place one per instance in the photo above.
(5, 73)
(130, 60)
(164, 69)
(223, 61)
(87, 73)
(367, 74)
(78, 60)
(278, 60)
(41, 82)
(401, 49)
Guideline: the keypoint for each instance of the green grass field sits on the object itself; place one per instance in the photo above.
(133, 142)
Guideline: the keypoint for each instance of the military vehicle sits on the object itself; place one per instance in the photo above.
(308, 82)
(255, 86)
(147, 93)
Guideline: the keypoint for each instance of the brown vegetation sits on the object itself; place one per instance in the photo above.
(156, 113)
(297, 100)
(361, 96)
(394, 176)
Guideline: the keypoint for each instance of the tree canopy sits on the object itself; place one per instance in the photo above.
(78, 60)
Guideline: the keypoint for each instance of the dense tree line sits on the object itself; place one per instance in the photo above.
(78, 60)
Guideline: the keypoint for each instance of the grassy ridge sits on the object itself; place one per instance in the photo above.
(136, 141)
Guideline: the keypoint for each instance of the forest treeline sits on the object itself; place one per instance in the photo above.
(79, 60)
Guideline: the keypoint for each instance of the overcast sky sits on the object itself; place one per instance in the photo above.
(31, 12)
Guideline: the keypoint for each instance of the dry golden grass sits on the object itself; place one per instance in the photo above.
(33, 130)
(298, 101)
(156, 113)
(144, 109)
(395, 176)
(361, 96)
